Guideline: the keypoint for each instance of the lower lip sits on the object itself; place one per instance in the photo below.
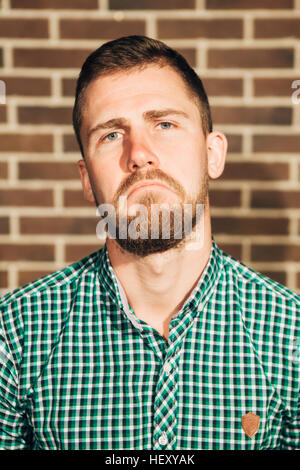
(146, 186)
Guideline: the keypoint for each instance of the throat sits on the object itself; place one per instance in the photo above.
(161, 323)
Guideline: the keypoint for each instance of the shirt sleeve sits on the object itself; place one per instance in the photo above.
(14, 430)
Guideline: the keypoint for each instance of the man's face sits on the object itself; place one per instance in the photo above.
(138, 127)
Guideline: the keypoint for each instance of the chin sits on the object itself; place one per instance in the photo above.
(143, 248)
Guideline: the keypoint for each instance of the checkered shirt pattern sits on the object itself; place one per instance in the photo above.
(79, 370)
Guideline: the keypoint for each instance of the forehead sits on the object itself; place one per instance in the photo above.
(125, 91)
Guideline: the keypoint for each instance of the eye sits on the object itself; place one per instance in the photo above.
(166, 125)
(112, 136)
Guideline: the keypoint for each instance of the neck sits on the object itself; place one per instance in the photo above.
(158, 285)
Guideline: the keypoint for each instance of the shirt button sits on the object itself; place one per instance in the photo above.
(163, 439)
(167, 368)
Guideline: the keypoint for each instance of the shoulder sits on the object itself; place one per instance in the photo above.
(33, 316)
(256, 285)
(58, 281)
(266, 306)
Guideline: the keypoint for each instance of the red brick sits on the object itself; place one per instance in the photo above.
(234, 143)
(45, 115)
(199, 28)
(276, 143)
(58, 225)
(100, 29)
(278, 276)
(273, 86)
(189, 55)
(68, 86)
(223, 86)
(275, 199)
(77, 252)
(23, 28)
(4, 225)
(242, 225)
(3, 279)
(26, 197)
(3, 169)
(24, 277)
(26, 143)
(275, 252)
(249, 4)
(2, 113)
(50, 57)
(250, 58)
(151, 4)
(256, 171)
(225, 198)
(56, 4)
(27, 86)
(48, 170)
(277, 28)
(233, 249)
(23, 252)
(75, 198)
(70, 143)
(252, 115)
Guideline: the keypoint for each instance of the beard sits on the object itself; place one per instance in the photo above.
(160, 226)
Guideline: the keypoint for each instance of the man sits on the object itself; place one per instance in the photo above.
(151, 342)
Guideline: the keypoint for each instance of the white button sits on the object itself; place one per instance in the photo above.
(163, 439)
(167, 368)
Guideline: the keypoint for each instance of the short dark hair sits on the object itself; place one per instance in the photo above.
(136, 52)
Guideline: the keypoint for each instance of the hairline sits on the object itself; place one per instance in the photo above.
(161, 62)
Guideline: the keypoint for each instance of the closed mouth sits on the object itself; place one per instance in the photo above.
(146, 184)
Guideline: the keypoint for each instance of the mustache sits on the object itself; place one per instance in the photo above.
(150, 174)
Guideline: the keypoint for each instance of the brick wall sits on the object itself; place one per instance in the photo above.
(248, 54)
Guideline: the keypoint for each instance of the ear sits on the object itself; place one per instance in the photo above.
(216, 145)
(85, 181)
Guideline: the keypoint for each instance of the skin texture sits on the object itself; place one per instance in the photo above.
(142, 136)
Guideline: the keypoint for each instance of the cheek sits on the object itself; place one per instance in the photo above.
(191, 164)
(105, 183)
(193, 171)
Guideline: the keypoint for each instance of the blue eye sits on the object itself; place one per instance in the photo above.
(112, 136)
(166, 125)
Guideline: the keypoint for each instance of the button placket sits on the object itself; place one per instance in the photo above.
(167, 368)
(163, 439)
(165, 405)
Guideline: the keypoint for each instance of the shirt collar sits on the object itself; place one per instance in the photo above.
(200, 293)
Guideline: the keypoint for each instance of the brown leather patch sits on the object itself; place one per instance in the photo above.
(250, 424)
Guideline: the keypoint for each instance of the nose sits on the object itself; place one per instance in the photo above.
(140, 153)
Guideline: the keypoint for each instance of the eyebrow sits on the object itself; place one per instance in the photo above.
(147, 115)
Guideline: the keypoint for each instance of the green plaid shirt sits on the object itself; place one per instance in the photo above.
(80, 371)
